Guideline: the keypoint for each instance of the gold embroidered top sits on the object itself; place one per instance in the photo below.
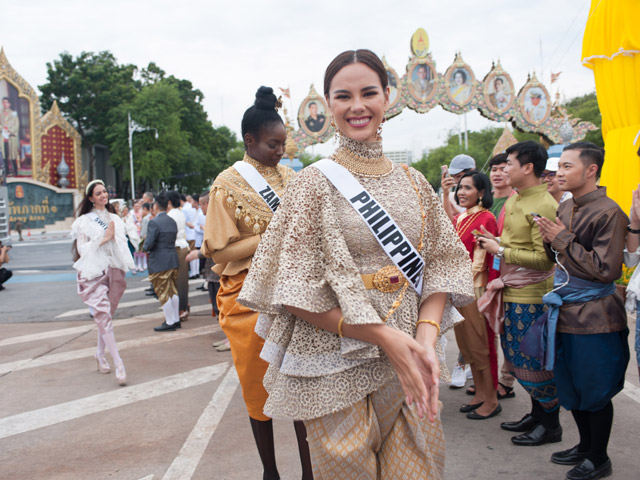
(237, 216)
(312, 257)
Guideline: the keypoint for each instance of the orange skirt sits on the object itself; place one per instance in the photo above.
(238, 323)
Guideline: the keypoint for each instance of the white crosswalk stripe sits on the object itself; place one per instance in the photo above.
(62, 332)
(64, 412)
(121, 305)
(89, 352)
(184, 465)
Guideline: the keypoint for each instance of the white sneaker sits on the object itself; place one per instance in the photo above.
(458, 377)
(467, 372)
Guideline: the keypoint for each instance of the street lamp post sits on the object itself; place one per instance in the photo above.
(135, 127)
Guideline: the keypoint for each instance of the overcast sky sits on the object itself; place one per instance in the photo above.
(229, 48)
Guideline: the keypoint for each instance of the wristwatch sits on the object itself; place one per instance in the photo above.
(500, 252)
(632, 230)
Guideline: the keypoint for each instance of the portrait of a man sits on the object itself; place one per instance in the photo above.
(10, 125)
(535, 105)
(421, 81)
(15, 138)
(316, 118)
(499, 93)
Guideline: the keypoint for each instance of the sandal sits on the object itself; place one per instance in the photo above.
(509, 393)
(471, 390)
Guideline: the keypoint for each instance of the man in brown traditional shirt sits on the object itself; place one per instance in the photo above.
(592, 351)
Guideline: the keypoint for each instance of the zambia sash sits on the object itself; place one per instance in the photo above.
(392, 240)
(258, 183)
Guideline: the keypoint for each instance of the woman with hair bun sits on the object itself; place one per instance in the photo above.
(101, 243)
(242, 201)
(352, 281)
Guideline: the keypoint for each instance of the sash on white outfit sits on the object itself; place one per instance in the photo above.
(258, 183)
(388, 234)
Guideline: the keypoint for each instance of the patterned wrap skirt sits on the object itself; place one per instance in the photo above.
(538, 382)
(378, 438)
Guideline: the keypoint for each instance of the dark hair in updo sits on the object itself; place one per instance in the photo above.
(262, 114)
(362, 55)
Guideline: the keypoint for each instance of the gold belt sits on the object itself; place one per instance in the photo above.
(387, 280)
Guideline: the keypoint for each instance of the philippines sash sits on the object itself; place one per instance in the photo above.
(392, 240)
(258, 183)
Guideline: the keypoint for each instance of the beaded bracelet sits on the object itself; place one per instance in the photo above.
(340, 326)
(430, 322)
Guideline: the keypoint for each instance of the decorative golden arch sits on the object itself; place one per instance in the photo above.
(529, 109)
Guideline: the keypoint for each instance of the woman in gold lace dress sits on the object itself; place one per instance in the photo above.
(236, 218)
(350, 344)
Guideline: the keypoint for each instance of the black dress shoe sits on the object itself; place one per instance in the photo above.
(150, 289)
(178, 324)
(538, 436)
(568, 457)
(525, 424)
(586, 470)
(165, 328)
(469, 407)
(151, 294)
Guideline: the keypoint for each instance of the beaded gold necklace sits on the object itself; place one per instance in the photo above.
(365, 159)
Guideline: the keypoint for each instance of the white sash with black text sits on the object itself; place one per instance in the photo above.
(94, 217)
(258, 183)
(392, 240)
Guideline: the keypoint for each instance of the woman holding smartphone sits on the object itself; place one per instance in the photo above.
(474, 194)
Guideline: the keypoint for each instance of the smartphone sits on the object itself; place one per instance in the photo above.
(535, 216)
(476, 232)
(445, 171)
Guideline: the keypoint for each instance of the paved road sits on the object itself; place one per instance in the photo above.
(181, 416)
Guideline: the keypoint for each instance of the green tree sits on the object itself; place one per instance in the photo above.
(88, 89)
(207, 153)
(155, 106)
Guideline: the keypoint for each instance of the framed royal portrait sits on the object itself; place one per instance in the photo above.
(395, 87)
(460, 82)
(313, 114)
(499, 92)
(535, 103)
(16, 146)
(421, 80)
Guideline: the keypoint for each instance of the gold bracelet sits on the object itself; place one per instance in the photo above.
(430, 322)
(340, 326)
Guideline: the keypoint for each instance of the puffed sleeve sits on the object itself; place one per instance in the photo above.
(92, 261)
(222, 240)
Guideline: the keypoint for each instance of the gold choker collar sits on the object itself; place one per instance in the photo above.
(362, 158)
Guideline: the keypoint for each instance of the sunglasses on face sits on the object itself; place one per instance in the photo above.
(548, 175)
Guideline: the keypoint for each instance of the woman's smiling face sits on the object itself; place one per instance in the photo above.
(358, 101)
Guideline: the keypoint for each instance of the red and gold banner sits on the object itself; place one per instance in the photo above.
(55, 143)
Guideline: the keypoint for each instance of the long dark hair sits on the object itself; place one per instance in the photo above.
(86, 205)
(362, 55)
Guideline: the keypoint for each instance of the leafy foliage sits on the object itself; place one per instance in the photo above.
(96, 94)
